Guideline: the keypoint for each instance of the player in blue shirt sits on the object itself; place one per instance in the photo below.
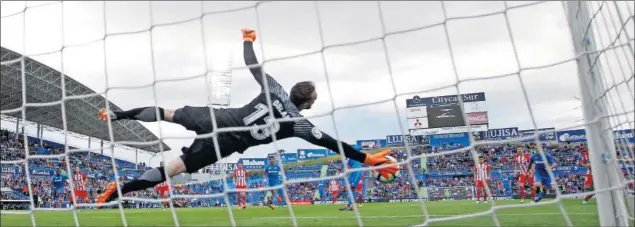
(355, 179)
(272, 172)
(541, 177)
(58, 181)
(507, 184)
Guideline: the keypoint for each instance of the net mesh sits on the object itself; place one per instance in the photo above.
(611, 59)
(609, 89)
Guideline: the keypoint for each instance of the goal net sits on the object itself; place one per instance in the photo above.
(541, 63)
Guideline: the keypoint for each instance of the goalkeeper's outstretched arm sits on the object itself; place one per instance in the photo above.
(324, 140)
(305, 130)
(252, 62)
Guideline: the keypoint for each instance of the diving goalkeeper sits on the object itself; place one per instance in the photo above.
(256, 113)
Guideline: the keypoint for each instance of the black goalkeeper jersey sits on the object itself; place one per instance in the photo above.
(257, 112)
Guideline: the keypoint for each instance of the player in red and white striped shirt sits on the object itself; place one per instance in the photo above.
(482, 172)
(588, 179)
(240, 177)
(525, 177)
(163, 189)
(334, 187)
(79, 181)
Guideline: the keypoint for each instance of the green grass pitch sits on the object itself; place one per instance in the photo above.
(373, 214)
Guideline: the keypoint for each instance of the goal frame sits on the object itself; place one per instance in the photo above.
(600, 141)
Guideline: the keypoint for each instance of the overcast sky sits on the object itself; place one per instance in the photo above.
(358, 74)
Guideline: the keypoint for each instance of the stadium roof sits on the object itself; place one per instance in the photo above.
(44, 86)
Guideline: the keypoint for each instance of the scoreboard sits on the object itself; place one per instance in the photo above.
(442, 114)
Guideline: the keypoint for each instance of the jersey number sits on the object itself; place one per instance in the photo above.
(262, 133)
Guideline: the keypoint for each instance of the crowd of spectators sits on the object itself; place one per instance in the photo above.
(499, 156)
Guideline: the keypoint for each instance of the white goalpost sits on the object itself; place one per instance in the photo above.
(603, 45)
(598, 107)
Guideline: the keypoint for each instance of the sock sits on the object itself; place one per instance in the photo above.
(146, 114)
(349, 198)
(543, 191)
(521, 189)
(478, 194)
(360, 199)
(538, 190)
(533, 193)
(149, 179)
(586, 198)
(280, 200)
(484, 195)
(244, 200)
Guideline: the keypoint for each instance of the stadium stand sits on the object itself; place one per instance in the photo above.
(449, 171)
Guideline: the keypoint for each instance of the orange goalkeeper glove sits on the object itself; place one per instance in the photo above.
(380, 159)
(248, 34)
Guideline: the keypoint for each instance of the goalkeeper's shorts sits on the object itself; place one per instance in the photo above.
(202, 152)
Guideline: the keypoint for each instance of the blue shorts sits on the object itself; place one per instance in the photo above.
(543, 178)
(273, 183)
(276, 183)
(58, 191)
(354, 179)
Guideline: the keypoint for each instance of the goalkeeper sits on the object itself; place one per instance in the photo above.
(255, 113)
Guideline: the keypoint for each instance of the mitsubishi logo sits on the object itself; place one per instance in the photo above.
(416, 99)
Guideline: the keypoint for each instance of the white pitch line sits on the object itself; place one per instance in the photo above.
(351, 217)
(406, 216)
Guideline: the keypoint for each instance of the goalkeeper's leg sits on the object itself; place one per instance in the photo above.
(147, 180)
(199, 155)
(145, 114)
(197, 119)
